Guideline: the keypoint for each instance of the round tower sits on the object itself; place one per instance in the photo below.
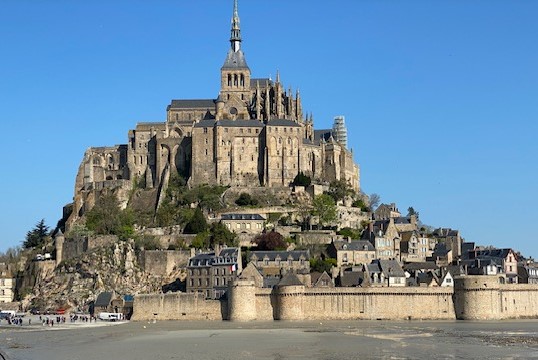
(477, 297)
(242, 300)
(290, 302)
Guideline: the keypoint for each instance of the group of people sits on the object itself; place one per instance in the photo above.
(16, 320)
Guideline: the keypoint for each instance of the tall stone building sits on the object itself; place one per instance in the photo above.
(254, 133)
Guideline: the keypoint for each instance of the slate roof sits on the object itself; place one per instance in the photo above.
(262, 82)
(103, 299)
(440, 250)
(270, 281)
(229, 252)
(235, 60)
(352, 278)
(204, 123)
(493, 253)
(240, 123)
(442, 232)
(324, 134)
(282, 122)
(290, 279)
(284, 255)
(387, 267)
(427, 265)
(192, 104)
(356, 245)
(204, 259)
(241, 217)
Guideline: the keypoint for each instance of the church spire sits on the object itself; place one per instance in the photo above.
(235, 37)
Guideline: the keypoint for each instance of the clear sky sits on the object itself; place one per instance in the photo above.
(440, 97)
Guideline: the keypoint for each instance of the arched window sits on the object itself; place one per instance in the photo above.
(242, 80)
(229, 79)
(235, 80)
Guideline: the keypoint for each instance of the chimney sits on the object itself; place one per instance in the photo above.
(414, 220)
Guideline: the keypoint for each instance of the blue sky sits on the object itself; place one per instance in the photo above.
(440, 98)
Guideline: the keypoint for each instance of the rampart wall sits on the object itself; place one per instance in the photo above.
(178, 306)
(472, 298)
(487, 298)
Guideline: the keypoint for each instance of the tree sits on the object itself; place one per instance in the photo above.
(411, 211)
(197, 223)
(324, 207)
(36, 236)
(245, 199)
(106, 218)
(339, 189)
(302, 180)
(219, 234)
(271, 240)
(374, 200)
(348, 232)
(321, 265)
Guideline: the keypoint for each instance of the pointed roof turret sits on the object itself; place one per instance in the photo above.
(235, 37)
(235, 58)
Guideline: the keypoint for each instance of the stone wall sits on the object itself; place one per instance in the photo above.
(164, 262)
(76, 247)
(316, 237)
(177, 306)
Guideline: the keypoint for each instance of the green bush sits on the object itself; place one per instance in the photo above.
(245, 199)
(302, 180)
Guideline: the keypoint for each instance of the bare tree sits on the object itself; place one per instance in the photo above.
(374, 200)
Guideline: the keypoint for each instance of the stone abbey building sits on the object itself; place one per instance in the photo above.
(254, 133)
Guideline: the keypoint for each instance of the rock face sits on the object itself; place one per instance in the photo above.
(75, 282)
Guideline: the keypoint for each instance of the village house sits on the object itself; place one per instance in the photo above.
(506, 258)
(210, 273)
(385, 273)
(244, 223)
(451, 238)
(351, 252)
(527, 273)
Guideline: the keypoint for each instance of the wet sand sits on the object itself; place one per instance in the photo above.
(274, 340)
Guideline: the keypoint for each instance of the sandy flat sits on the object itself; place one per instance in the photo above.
(275, 340)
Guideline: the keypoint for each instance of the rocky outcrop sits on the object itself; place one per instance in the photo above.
(75, 282)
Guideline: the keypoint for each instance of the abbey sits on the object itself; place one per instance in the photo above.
(254, 133)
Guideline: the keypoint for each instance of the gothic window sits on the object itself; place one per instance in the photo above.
(235, 79)
(257, 131)
(205, 130)
(242, 80)
(229, 80)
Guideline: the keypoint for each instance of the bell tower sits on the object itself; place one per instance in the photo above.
(235, 92)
